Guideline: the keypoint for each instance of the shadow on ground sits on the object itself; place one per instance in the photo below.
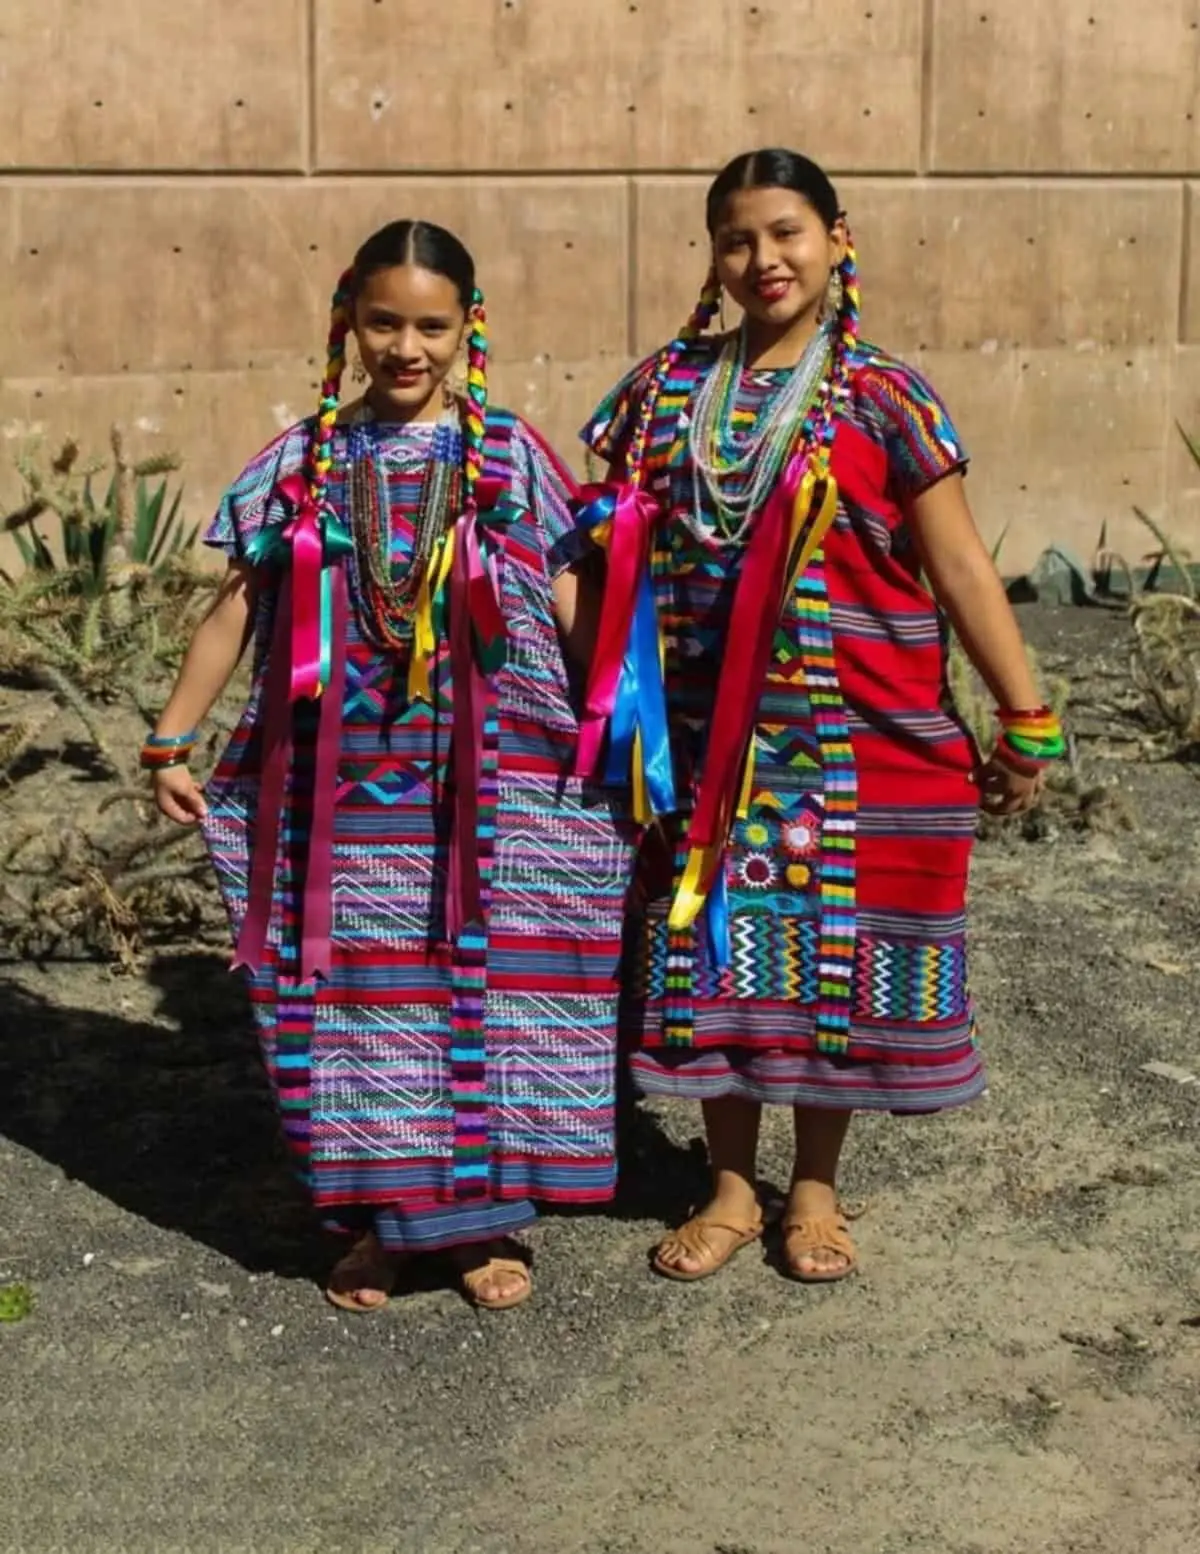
(174, 1122)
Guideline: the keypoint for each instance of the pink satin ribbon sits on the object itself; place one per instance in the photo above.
(303, 534)
(628, 554)
(474, 610)
(277, 746)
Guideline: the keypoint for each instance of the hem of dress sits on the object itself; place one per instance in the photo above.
(679, 1085)
(441, 1228)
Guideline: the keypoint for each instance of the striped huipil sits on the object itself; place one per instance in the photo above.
(862, 778)
(364, 1064)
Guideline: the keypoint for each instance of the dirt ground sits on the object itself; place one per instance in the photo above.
(1016, 1369)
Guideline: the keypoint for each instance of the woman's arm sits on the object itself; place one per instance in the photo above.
(966, 584)
(208, 665)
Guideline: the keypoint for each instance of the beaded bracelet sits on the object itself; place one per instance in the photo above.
(1030, 740)
(163, 750)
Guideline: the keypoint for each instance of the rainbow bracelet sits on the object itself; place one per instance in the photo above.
(163, 750)
(1030, 740)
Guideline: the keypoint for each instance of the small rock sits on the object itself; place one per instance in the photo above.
(1172, 1071)
(277, 1330)
(88, 1259)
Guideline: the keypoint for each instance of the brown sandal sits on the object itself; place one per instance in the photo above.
(474, 1280)
(366, 1266)
(818, 1233)
(691, 1238)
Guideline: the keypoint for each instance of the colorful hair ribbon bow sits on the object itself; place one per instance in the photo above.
(307, 659)
(789, 531)
(311, 542)
(625, 692)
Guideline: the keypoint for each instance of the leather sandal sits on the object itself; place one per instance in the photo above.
(818, 1233)
(691, 1239)
(474, 1281)
(366, 1266)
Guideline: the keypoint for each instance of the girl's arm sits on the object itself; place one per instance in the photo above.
(208, 665)
(577, 611)
(966, 584)
(968, 587)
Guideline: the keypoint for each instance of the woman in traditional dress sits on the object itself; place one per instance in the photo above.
(426, 902)
(787, 490)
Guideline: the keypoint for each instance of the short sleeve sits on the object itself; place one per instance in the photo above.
(543, 484)
(247, 506)
(612, 423)
(913, 425)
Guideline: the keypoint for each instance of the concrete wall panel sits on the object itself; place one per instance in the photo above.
(145, 277)
(538, 84)
(958, 266)
(1060, 440)
(1075, 86)
(153, 84)
(219, 420)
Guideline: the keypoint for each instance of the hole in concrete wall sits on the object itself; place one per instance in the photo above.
(312, 248)
(866, 113)
(632, 108)
(37, 393)
(33, 253)
(239, 102)
(568, 244)
(751, 109)
(176, 249)
(99, 103)
(508, 107)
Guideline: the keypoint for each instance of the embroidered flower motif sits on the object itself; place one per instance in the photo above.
(798, 875)
(801, 837)
(756, 871)
(755, 834)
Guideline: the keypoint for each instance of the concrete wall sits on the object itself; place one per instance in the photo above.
(181, 183)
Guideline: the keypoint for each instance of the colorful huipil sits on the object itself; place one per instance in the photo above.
(434, 1080)
(841, 980)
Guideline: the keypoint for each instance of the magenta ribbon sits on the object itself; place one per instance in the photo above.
(476, 652)
(303, 533)
(628, 548)
(306, 660)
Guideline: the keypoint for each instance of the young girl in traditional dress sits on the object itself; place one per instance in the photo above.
(785, 490)
(426, 902)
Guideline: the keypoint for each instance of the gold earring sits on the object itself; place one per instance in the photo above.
(835, 296)
(358, 372)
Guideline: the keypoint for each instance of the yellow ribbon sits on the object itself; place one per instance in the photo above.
(424, 640)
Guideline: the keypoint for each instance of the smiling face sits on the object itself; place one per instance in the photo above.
(409, 323)
(774, 255)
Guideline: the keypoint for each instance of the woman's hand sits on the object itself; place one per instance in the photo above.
(1004, 791)
(178, 795)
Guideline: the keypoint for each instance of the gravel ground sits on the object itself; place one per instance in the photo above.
(1016, 1369)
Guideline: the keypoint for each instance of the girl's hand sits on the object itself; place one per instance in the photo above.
(178, 795)
(1004, 791)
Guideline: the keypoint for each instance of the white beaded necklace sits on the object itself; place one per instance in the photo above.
(765, 447)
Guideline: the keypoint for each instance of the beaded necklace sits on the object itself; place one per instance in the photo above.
(388, 589)
(716, 458)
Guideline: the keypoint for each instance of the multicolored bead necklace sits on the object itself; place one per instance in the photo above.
(389, 588)
(717, 459)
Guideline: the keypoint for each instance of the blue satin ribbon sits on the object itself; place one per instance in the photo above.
(641, 701)
(716, 921)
